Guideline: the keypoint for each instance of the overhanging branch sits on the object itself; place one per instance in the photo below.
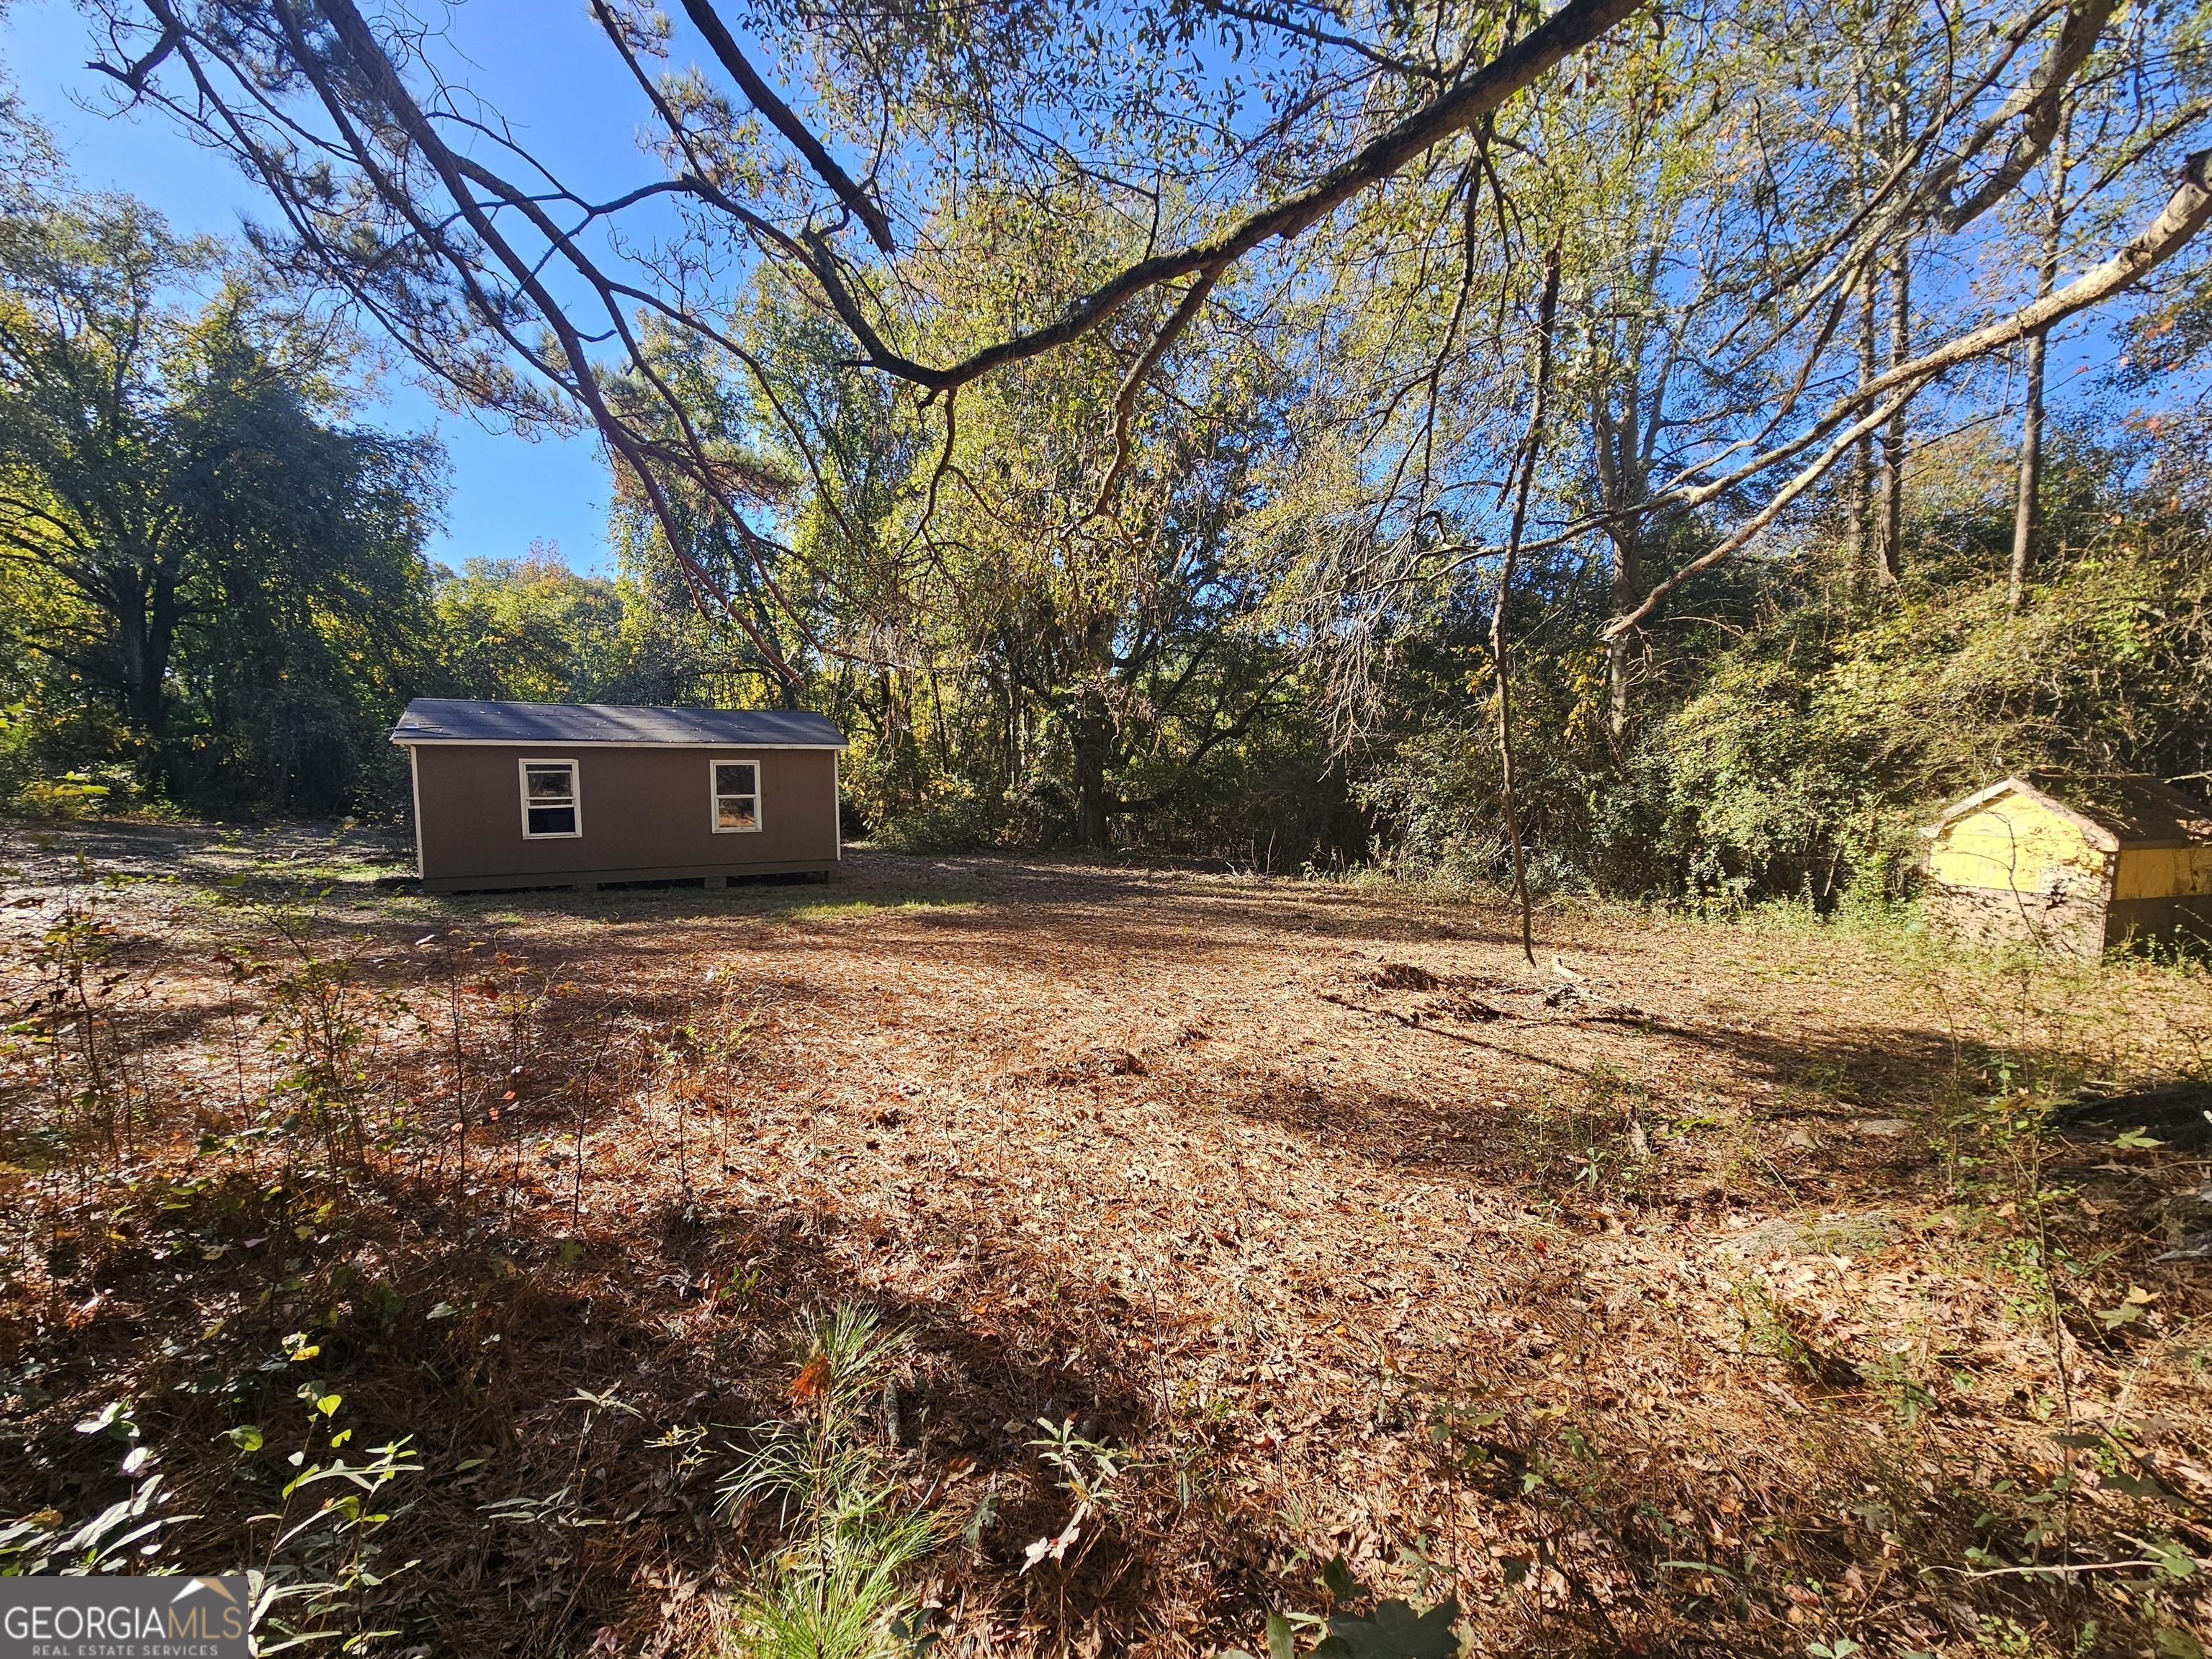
(2184, 214)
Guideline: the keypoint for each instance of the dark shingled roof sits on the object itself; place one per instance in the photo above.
(461, 720)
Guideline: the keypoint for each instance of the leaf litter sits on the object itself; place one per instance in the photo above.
(1355, 1239)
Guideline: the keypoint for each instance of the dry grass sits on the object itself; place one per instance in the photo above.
(1728, 1299)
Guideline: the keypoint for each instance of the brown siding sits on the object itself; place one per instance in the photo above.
(646, 813)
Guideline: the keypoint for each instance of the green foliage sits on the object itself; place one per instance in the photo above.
(1788, 740)
(1017, 659)
(531, 630)
(313, 1582)
(1234, 607)
(212, 587)
(1392, 1629)
(316, 1582)
(208, 576)
(838, 1587)
(42, 1543)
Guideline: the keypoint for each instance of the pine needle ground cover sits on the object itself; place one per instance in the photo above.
(1146, 1252)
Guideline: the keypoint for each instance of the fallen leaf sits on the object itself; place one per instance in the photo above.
(808, 1384)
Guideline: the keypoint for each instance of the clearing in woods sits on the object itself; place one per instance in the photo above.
(1720, 1288)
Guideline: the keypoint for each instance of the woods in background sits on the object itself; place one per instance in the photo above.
(208, 576)
(1114, 421)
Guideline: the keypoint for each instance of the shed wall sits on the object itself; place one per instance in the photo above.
(646, 814)
(2164, 872)
(2018, 845)
(2061, 923)
(2159, 918)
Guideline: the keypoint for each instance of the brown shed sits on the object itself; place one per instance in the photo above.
(2072, 864)
(542, 794)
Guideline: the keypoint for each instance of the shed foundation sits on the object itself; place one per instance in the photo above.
(716, 876)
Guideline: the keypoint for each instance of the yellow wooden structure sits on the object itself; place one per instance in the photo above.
(2071, 864)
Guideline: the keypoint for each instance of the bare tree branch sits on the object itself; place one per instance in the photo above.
(781, 117)
(1566, 31)
(2184, 214)
(1125, 400)
(2041, 102)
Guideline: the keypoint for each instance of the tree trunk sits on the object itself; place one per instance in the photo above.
(1891, 566)
(147, 612)
(1091, 734)
(2029, 509)
(1547, 311)
(142, 704)
(902, 771)
(1862, 469)
(1621, 484)
(1859, 534)
(1627, 589)
(1893, 437)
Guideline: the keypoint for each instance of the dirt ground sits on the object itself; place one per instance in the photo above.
(1711, 1286)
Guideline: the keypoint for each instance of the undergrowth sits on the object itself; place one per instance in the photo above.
(839, 1584)
(447, 1281)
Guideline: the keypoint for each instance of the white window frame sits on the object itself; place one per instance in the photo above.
(714, 797)
(575, 796)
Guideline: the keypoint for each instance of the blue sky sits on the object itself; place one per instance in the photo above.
(507, 491)
(542, 64)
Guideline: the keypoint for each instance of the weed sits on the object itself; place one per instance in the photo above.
(1596, 1141)
(37, 1544)
(112, 1540)
(837, 1586)
(1094, 1474)
(314, 1582)
(1392, 1629)
(76, 1033)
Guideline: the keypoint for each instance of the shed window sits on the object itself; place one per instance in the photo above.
(737, 795)
(549, 807)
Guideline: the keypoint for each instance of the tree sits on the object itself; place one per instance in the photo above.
(198, 542)
(1222, 134)
(91, 464)
(530, 630)
(1794, 207)
(919, 363)
(990, 619)
(2028, 507)
(448, 234)
(1090, 560)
